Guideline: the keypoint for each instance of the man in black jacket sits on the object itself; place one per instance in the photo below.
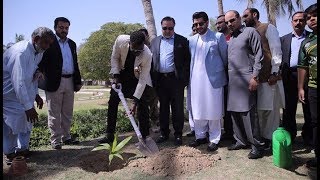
(170, 75)
(290, 44)
(60, 67)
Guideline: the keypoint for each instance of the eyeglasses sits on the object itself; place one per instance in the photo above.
(200, 24)
(231, 21)
(169, 28)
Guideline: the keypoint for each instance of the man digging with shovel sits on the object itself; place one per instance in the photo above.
(130, 67)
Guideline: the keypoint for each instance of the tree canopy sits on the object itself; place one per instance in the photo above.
(94, 55)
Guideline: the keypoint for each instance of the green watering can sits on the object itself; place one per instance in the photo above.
(281, 148)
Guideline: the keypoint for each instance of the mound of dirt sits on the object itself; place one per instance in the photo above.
(175, 162)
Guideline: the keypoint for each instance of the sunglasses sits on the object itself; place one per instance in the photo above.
(231, 20)
(200, 24)
(169, 28)
(136, 50)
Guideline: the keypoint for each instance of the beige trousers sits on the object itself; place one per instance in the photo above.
(60, 111)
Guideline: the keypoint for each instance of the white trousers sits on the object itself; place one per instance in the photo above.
(213, 127)
(191, 121)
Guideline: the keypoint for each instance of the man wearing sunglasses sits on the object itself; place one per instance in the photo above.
(244, 64)
(170, 75)
(129, 54)
(207, 79)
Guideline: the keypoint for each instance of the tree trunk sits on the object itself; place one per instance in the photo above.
(148, 13)
(271, 15)
(220, 7)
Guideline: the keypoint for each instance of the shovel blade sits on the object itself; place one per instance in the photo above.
(147, 147)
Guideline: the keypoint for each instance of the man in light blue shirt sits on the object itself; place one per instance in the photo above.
(170, 75)
(20, 90)
(290, 45)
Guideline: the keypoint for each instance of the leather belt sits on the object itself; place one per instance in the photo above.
(170, 74)
(66, 75)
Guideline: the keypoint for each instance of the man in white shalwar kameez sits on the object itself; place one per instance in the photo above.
(20, 90)
(207, 79)
(270, 91)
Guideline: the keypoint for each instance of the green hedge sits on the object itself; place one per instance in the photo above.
(86, 124)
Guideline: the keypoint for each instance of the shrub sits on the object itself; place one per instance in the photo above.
(86, 124)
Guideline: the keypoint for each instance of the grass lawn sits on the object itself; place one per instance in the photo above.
(86, 101)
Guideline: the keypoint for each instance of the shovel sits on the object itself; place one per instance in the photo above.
(146, 146)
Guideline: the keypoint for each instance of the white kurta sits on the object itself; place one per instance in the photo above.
(206, 101)
(265, 92)
(19, 87)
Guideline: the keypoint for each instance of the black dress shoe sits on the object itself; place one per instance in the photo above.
(191, 134)
(198, 142)
(178, 141)
(71, 142)
(226, 136)
(56, 146)
(25, 153)
(255, 154)
(212, 147)
(237, 146)
(162, 139)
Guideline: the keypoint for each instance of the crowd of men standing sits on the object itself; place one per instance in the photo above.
(244, 74)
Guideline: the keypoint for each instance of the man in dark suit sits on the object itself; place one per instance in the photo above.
(60, 67)
(170, 75)
(290, 44)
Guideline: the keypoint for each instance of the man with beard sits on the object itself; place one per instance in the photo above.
(207, 79)
(227, 123)
(270, 90)
(129, 53)
(20, 90)
(60, 67)
(222, 27)
(290, 45)
(244, 64)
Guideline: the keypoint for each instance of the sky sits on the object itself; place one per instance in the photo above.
(22, 17)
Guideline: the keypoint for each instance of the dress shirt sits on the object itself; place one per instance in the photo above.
(295, 46)
(166, 55)
(20, 63)
(67, 65)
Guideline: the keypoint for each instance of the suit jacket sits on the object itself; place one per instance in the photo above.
(118, 59)
(286, 55)
(215, 55)
(181, 59)
(51, 66)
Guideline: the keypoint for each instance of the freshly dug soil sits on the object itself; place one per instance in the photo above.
(99, 161)
(175, 162)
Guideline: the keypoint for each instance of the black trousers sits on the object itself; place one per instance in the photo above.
(142, 109)
(289, 113)
(312, 96)
(171, 94)
(227, 124)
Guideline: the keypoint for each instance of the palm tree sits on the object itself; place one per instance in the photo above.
(276, 8)
(148, 13)
(220, 7)
(19, 37)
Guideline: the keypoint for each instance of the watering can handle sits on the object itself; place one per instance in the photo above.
(125, 105)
